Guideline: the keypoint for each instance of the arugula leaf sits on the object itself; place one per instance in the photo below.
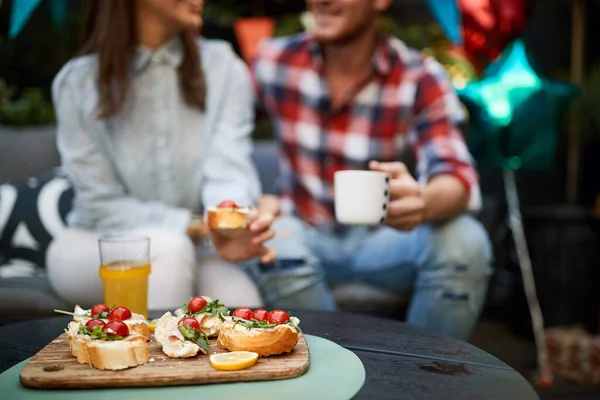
(87, 315)
(97, 333)
(253, 323)
(102, 315)
(202, 341)
(212, 308)
(187, 332)
(196, 336)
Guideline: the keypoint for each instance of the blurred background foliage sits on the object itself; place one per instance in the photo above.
(29, 62)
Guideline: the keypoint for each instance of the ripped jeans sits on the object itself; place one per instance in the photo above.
(447, 269)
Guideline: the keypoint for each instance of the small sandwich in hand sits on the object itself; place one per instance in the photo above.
(259, 331)
(180, 337)
(208, 312)
(107, 345)
(228, 218)
(135, 322)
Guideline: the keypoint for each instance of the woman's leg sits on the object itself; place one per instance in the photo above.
(72, 264)
(227, 282)
(173, 260)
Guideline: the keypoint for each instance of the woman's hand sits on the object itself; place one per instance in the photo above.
(249, 244)
(197, 230)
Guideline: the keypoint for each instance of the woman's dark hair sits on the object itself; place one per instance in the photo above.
(110, 33)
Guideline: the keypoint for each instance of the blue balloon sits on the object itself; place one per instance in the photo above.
(20, 13)
(447, 15)
(515, 113)
(22, 10)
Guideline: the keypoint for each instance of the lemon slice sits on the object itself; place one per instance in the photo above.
(152, 325)
(234, 360)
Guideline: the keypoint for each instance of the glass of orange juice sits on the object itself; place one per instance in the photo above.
(124, 270)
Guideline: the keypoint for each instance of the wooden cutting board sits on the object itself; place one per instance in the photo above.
(54, 367)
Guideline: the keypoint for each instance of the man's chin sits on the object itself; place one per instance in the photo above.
(327, 36)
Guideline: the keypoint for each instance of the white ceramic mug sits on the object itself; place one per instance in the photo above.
(361, 197)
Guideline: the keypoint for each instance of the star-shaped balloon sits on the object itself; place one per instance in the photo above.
(515, 113)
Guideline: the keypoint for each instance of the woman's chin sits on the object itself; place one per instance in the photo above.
(195, 22)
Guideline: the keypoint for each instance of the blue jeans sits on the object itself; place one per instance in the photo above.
(447, 269)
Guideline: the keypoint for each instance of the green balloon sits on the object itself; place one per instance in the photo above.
(515, 113)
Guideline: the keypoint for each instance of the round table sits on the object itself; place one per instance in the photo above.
(401, 361)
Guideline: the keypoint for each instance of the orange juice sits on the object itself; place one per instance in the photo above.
(125, 284)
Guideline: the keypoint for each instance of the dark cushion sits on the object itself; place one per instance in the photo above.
(28, 297)
(31, 215)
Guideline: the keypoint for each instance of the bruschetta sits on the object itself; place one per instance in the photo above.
(135, 322)
(107, 346)
(208, 312)
(259, 331)
(227, 218)
(180, 337)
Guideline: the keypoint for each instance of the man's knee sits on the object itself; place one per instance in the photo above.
(290, 239)
(464, 243)
(287, 225)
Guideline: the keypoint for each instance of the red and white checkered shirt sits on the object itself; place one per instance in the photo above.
(407, 103)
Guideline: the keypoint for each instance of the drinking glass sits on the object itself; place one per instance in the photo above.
(124, 270)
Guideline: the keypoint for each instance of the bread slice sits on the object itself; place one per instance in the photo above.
(78, 343)
(171, 340)
(228, 221)
(136, 324)
(210, 324)
(119, 354)
(107, 355)
(266, 342)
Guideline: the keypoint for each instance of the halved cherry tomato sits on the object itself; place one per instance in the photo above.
(119, 314)
(278, 317)
(190, 322)
(196, 304)
(116, 328)
(243, 313)
(228, 204)
(260, 315)
(92, 323)
(99, 309)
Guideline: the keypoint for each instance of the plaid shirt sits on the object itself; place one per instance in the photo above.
(407, 103)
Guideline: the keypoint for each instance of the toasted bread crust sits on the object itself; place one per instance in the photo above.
(110, 355)
(265, 342)
(139, 328)
(118, 355)
(227, 220)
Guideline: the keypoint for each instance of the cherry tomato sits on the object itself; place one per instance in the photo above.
(190, 322)
(260, 315)
(278, 317)
(116, 328)
(228, 204)
(99, 309)
(119, 314)
(243, 313)
(196, 304)
(92, 323)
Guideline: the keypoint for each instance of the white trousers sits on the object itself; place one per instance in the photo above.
(178, 272)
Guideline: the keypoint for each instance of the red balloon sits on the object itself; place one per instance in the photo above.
(490, 25)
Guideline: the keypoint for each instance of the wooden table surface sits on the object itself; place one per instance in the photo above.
(401, 361)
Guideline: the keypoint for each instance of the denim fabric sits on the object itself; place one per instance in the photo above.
(447, 269)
